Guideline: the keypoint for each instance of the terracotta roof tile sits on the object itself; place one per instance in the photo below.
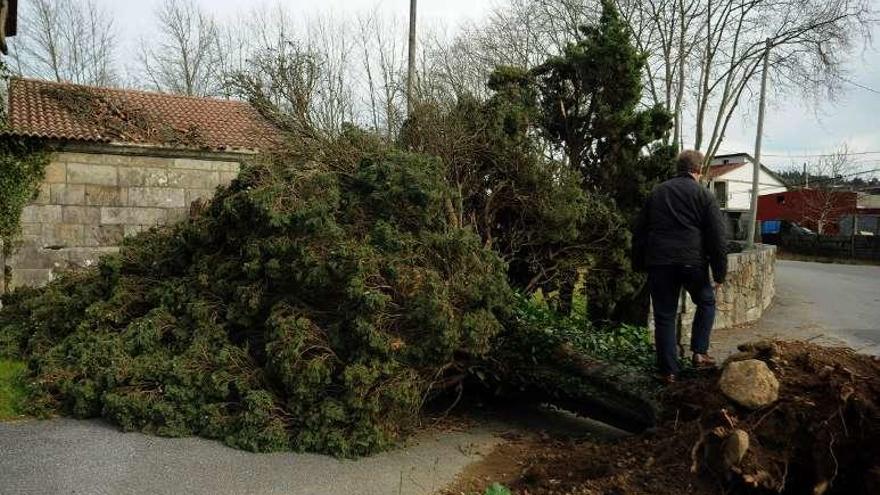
(63, 111)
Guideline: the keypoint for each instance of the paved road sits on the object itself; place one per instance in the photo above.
(66, 456)
(830, 303)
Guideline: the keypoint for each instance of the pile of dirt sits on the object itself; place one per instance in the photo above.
(822, 436)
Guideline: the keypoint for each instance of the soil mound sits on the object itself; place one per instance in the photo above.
(822, 436)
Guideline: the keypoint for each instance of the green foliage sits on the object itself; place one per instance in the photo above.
(524, 206)
(564, 360)
(590, 98)
(22, 168)
(12, 392)
(311, 307)
(621, 344)
(553, 219)
(327, 293)
(497, 489)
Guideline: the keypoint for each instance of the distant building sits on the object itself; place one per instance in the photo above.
(730, 179)
(823, 211)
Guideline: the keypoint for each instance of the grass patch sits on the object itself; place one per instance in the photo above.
(12, 393)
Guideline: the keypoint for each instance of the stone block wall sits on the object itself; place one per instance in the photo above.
(90, 200)
(748, 291)
(750, 287)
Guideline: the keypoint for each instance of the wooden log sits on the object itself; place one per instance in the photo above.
(574, 381)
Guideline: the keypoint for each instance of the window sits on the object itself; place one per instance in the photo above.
(721, 193)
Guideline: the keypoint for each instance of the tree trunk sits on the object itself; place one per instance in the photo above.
(539, 366)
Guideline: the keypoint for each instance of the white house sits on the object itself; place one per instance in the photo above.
(730, 178)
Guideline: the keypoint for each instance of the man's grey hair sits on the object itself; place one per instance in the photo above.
(690, 162)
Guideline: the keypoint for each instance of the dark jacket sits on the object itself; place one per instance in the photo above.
(681, 224)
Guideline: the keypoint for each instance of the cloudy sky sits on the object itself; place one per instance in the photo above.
(794, 127)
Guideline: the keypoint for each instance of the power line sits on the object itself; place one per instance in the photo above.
(819, 155)
(817, 180)
(854, 174)
(866, 88)
(766, 187)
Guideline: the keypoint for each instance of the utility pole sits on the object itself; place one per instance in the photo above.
(756, 175)
(806, 177)
(411, 69)
(855, 223)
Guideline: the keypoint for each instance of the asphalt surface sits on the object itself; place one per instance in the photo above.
(66, 456)
(821, 302)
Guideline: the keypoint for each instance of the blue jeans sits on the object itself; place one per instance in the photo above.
(665, 283)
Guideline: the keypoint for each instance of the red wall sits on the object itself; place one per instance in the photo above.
(805, 207)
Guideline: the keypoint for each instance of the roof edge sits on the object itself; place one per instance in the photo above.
(46, 82)
(129, 149)
(727, 155)
(751, 159)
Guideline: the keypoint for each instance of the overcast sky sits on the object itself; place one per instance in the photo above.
(793, 127)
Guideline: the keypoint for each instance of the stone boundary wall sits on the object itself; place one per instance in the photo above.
(748, 291)
(91, 199)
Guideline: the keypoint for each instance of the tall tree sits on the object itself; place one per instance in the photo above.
(665, 30)
(383, 57)
(706, 54)
(591, 96)
(703, 55)
(553, 165)
(65, 40)
(184, 56)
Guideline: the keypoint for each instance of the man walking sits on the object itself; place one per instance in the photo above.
(678, 237)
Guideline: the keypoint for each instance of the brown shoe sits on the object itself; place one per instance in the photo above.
(703, 361)
(665, 378)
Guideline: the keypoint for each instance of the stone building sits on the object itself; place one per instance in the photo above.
(121, 162)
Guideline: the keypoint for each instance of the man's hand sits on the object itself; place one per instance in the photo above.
(717, 285)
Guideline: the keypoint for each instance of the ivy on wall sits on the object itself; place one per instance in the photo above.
(22, 168)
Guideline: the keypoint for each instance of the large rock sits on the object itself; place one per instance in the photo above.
(749, 383)
(735, 447)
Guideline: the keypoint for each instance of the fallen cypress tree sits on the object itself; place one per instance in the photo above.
(308, 307)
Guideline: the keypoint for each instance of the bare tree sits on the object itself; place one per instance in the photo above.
(703, 55)
(329, 39)
(306, 83)
(383, 60)
(365, 25)
(184, 56)
(666, 31)
(65, 40)
(454, 68)
(709, 51)
(825, 201)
